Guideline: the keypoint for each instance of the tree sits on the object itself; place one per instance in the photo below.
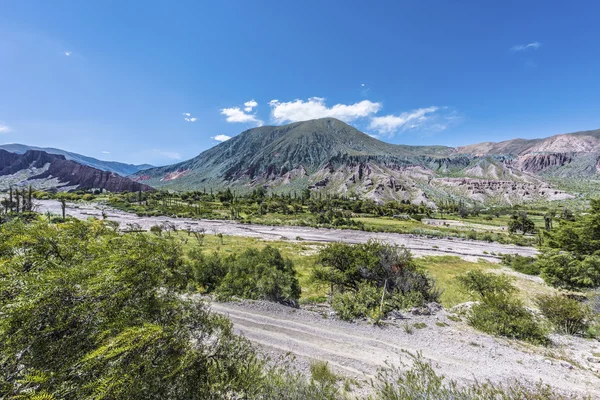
(569, 256)
(521, 223)
(91, 313)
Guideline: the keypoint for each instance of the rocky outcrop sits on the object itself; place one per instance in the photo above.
(539, 162)
(39, 166)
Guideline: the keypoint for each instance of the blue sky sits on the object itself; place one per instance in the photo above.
(117, 79)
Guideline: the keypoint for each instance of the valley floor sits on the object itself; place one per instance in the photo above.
(456, 351)
(469, 250)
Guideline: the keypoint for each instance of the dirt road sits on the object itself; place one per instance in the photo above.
(457, 351)
(420, 246)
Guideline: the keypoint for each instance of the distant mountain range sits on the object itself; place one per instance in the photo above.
(42, 170)
(330, 156)
(111, 166)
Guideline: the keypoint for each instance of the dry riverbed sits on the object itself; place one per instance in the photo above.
(469, 250)
(456, 351)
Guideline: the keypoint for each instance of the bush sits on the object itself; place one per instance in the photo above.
(360, 274)
(498, 311)
(503, 315)
(350, 305)
(420, 382)
(525, 265)
(567, 271)
(481, 284)
(253, 274)
(567, 315)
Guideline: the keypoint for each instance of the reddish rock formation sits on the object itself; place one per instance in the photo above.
(67, 172)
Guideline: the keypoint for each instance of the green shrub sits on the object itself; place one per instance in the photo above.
(481, 284)
(320, 372)
(566, 315)
(350, 305)
(260, 275)
(361, 274)
(525, 265)
(504, 315)
(568, 271)
(498, 311)
(420, 382)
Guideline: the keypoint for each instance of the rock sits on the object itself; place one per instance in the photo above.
(395, 314)
(594, 360)
(566, 365)
(434, 307)
(420, 311)
(463, 308)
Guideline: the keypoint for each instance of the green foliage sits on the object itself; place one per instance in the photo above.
(571, 257)
(568, 315)
(350, 305)
(521, 223)
(504, 315)
(568, 270)
(373, 275)
(523, 264)
(498, 312)
(99, 314)
(320, 372)
(253, 274)
(483, 284)
(420, 382)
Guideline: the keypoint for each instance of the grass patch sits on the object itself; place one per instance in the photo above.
(420, 325)
(445, 269)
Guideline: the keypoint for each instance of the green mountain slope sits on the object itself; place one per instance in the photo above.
(328, 155)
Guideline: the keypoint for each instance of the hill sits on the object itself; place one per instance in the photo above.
(47, 171)
(111, 166)
(330, 156)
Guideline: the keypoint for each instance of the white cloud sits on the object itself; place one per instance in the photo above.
(221, 138)
(4, 128)
(68, 53)
(105, 152)
(389, 124)
(362, 84)
(188, 117)
(314, 107)
(523, 47)
(236, 114)
(249, 105)
(168, 154)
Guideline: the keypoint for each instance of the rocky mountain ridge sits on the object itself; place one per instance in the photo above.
(327, 155)
(122, 169)
(47, 171)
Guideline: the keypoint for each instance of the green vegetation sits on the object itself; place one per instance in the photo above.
(567, 315)
(252, 274)
(521, 223)
(421, 382)
(86, 311)
(498, 312)
(371, 276)
(307, 208)
(525, 265)
(570, 258)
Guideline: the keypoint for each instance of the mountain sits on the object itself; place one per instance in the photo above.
(329, 156)
(573, 155)
(111, 166)
(47, 171)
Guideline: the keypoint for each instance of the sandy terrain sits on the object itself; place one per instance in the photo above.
(420, 246)
(456, 350)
